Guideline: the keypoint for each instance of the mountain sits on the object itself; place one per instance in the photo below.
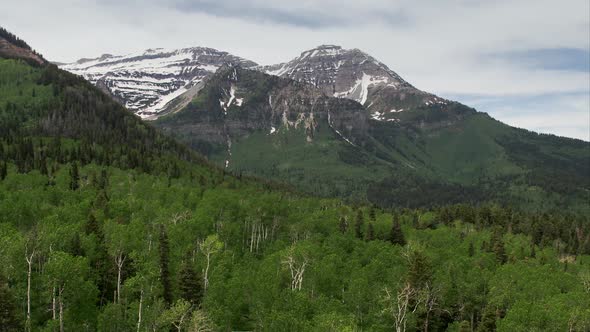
(358, 76)
(403, 147)
(155, 81)
(106, 224)
(338, 122)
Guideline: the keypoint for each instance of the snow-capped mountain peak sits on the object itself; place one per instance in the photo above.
(339, 72)
(354, 74)
(146, 82)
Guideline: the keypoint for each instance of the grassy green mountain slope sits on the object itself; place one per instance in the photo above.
(433, 154)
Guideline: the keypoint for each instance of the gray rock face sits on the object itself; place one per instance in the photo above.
(355, 75)
(148, 82)
(236, 102)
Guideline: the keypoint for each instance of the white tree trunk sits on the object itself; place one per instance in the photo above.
(206, 274)
(29, 259)
(119, 260)
(53, 304)
(398, 306)
(61, 310)
(139, 310)
(297, 271)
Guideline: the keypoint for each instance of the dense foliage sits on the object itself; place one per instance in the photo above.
(126, 249)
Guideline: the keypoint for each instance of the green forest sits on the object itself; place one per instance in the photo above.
(108, 225)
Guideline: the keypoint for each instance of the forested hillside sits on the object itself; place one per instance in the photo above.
(117, 250)
(108, 225)
(434, 154)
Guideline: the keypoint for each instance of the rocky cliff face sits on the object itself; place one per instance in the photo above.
(236, 102)
(147, 83)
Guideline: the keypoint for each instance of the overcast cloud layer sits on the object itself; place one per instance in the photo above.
(526, 62)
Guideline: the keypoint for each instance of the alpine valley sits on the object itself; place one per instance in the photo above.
(112, 223)
(339, 123)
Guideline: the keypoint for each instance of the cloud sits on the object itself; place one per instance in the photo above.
(573, 59)
(503, 49)
(565, 114)
(248, 11)
(305, 13)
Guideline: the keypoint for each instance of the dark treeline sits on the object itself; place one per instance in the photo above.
(11, 38)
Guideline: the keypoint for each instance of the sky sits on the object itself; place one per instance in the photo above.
(525, 62)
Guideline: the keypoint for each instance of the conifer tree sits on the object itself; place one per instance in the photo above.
(488, 320)
(396, 235)
(103, 180)
(419, 270)
(358, 226)
(498, 247)
(43, 166)
(3, 171)
(98, 261)
(471, 250)
(372, 215)
(190, 284)
(370, 232)
(92, 226)
(74, 177)
(464, 326)
(9, 319)
(164, 266)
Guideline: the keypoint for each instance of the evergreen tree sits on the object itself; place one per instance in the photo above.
(396, 235)
(370, 232)
(9, 319)
(497, 245)
(92, 226)
(76, 246)
(43, 166)
(103, 180)
(488, 320)
(419, 270)
(164, 266)
(190, 284)
(358, 225)
(74, 177)
(464, 326)
(3, 171)
(100, 258)
(101, 201)
(343, 226)
(471, 250)
(372, 215)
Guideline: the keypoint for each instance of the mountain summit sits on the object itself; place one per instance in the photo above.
(339, 72)
(354, 74)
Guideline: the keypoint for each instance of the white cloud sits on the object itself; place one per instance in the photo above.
(436, 45)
